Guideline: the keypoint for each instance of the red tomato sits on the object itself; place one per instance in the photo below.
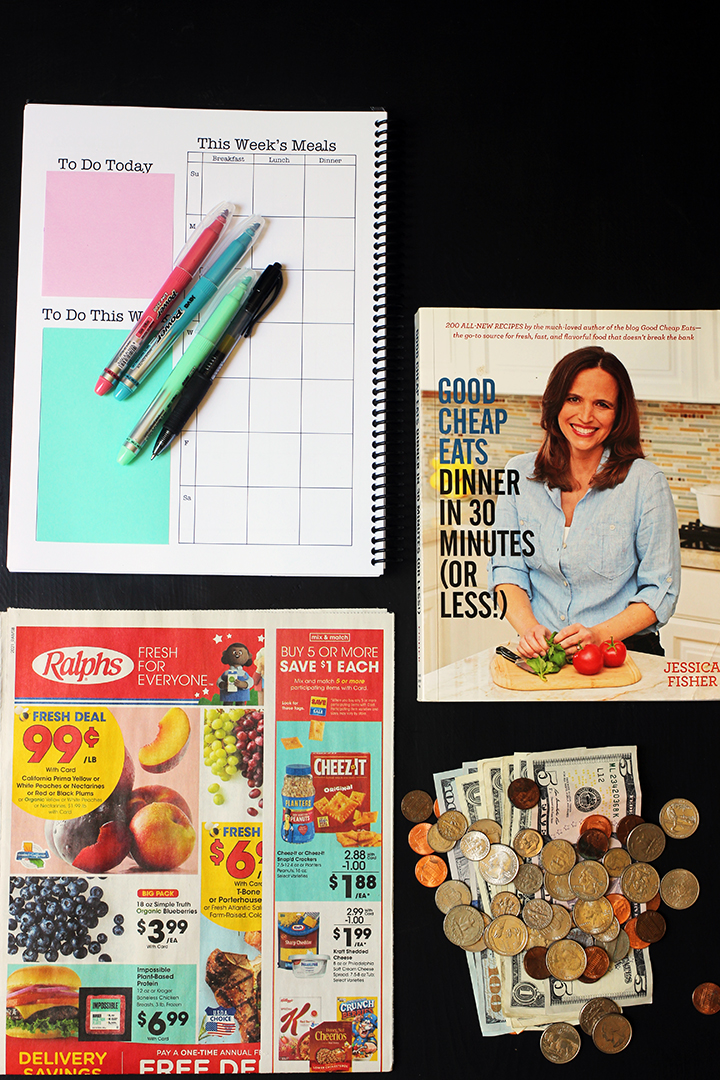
(588, 660)
(614, 653)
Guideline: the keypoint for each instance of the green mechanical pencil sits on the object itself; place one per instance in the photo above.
(201, 346)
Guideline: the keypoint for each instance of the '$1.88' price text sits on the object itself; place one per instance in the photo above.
(363, 883)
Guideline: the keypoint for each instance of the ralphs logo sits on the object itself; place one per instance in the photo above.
(81, 665)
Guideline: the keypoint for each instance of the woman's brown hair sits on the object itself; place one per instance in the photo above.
(552, 464)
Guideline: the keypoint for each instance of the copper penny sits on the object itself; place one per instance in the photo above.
(596, 821)
(593, 844)
(534, 963)
(598, 963)
(524, 793)
(452, 825)
(621, 906)
(417, 839)
(431, 871)
(636, 942)
(626, 825)
(436, 808)
(706, 998)
(651, 926)
(416, 806)
(654, 903)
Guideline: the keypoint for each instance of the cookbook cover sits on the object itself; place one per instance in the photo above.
(564, 456)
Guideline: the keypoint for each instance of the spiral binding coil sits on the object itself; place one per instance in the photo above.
(379, 413)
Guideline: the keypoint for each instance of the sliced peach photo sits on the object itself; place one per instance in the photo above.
(169, 745)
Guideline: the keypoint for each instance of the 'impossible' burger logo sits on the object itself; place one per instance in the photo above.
(82, 665)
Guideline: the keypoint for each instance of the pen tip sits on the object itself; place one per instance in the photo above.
(122, 392)
(103, 385)
(125, 456)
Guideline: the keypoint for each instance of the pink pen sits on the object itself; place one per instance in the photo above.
(187, 265)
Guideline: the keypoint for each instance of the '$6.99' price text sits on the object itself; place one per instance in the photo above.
(156, 1025)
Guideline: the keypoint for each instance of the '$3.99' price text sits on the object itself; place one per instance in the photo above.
(159, 928)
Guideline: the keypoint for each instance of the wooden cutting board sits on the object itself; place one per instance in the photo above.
(511, 677)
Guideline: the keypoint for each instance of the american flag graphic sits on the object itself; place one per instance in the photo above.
(220, 1027)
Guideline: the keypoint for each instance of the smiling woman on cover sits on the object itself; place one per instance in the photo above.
(607, 553)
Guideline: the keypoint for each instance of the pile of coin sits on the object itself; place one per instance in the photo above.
(598, 883)
(601, 1019)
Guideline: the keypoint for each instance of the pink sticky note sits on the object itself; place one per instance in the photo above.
(107, 234)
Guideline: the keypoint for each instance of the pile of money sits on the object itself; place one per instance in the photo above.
(551, 885)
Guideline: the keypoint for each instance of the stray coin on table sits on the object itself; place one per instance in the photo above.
(593, 1009)
(679, 818)
(560, 1043)
(450, 894)
(524, 793)
(416, 806)
(417, 838)
(706, 998)
(612, 1033)
(679, 889)
(431, 871)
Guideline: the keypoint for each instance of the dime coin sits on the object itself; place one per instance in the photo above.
(596, 821)
(491, 829)
(621, 906)
(636, 942)
(589, 879)
(537, 914)
(626, 825)
(528, 843)
(679, 818)
(528, 879)
(706, 998)
(504, 903)
(524, 793)
(598, 963)
(679, 889)
(500, 865)
(416, 806)
(506, 935)
(463, 925)
(452, 825)
(646, 842)
(474, 845)
(610, 934)
(651, 926)
(437, 842)
(558, 857)
(560, 926)
(615, 861)
(534, 963)
(618, 949)
(593, 844)
(576, 934)
(431, 870)
(560, 1043)
(558, 886)
(417, 839)
(593, 1009)
(612, 1033)
(566, 960)
(450, 894)
(593, 916)
(639, 882)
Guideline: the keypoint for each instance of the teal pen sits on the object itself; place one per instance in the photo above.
(177, 321)
(201, 346)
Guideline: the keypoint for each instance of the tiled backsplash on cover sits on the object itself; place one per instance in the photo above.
(684, 440)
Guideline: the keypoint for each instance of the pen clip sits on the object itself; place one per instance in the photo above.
(254, 317)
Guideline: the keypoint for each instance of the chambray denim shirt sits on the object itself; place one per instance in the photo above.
(622, 548)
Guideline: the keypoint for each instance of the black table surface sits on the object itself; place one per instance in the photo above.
(537, 158)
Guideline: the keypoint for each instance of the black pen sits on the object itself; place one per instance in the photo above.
(263, 295)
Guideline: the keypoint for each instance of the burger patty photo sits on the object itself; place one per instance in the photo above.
(42, 1003)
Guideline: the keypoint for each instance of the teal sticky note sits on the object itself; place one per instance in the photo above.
(84, 496)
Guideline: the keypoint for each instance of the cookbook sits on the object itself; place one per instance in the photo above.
(481, 376)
